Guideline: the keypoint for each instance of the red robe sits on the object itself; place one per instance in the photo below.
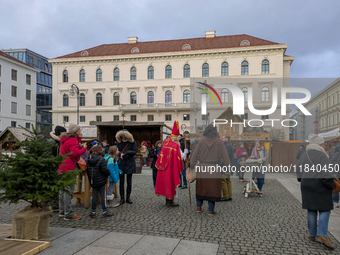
(169, 165)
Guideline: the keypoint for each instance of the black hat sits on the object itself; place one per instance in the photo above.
(58, 130)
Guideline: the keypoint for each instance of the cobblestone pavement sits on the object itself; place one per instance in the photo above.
(272, 224)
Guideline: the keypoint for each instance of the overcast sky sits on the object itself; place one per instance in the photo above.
(58, 27)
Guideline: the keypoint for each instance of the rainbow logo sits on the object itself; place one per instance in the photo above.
(209, 93)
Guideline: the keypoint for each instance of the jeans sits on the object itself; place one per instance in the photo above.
(260, 179)
(121, 184)
(102, 192)
(111, 188)
(65, 197)
(335, 198)
(144, 161)
(211, 204)
(313, 228)
(184, 175)
(154, 176)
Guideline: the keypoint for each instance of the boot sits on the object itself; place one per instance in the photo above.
(325, 242)
(170, 202)
(122, 200)
(128, 193)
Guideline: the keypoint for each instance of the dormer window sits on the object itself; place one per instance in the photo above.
(245, 42)
(135, 50)
(186, 47)
(84, 53)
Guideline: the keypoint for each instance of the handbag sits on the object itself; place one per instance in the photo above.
(190, 175)
(336, 190)
(81, 164)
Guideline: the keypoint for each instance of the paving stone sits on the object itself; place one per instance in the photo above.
(120, 241)
(191, 247)
(58, 232)
(91, 250)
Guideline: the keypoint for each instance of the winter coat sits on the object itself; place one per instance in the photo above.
(144, 151)
(265, 155)
(230, 151)
(55, 140)
(300, 153)
(209, 151)
(113, 167)
(316, 187)
(239, 152)
(97, 170)
(336, 161)
(154, 155)
(128, 164)
(106, 149)
(70, 144)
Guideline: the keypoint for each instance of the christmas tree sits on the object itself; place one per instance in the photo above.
(32, 173)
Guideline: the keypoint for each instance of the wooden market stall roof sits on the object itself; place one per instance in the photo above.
(18, 133)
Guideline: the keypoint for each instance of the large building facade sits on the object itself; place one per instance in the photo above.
(150, 81)
(17, 90)
(43, 83)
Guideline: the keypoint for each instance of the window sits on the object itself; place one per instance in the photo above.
(65, 118)
(186, 116)
(205, 70)
(0, 88)
(245, 42)
(186, 47)
(265, 66)
(28, 94)
(133, 98)
(13, 124)
(14, 75)
(245, 93)
(99, 99)
(84, 53)
(135, 50)
(0, 110)
(116, 98)
(265, 94)
(186, 96)
(167, 117)
(14, 106)
(225, 95)
(82, 99)
(28, 79)
(82, 118)
(28, 125)
(244, 116)
(65, 100)
(186, 71)
(0, 70)
(168, 98)
(14, 91)
(133, 117)
(333, 120)
(150, 117)
(264, 117)
(116, 74)
(150, 73)
(224, 69)
(133, 73)
(115, 117)
(82, 75)
(28, 110)
(151, 98)
(337, 98)
(244, 68)
(99, 118)
(168, 72)
(99, 75)
(333, 100)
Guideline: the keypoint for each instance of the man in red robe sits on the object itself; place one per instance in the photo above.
(169, 165)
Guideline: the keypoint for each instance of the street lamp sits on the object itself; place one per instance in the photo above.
(74, 90)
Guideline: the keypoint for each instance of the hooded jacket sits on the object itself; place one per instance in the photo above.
(128, 164)
(70, 144)
(56, 142)
(97, 170)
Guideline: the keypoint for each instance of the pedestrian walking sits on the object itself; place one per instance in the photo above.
(259, 152)
(144, 151)
(316, 189)
(126, 162)
(98, 173)
(69, 144)
(209, 151)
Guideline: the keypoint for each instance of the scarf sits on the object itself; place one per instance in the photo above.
(316, 147)
(257, 154)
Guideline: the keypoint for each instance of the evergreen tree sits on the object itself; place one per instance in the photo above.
(32, 173)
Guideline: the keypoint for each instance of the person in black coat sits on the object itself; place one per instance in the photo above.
(127, 150)
(316, 188)
(154, 153)
(98, 174)
(301, 151)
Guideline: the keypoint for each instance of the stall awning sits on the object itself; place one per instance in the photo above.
(330, 135)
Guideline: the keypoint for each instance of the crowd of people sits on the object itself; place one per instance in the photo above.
(170, 160)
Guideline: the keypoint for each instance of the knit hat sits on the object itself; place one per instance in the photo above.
(72, 128)
(96, 147)
(58, 130)
(240, 143)
(315, 139)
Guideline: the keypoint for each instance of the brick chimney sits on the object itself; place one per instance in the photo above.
(133, 39)
(210, 34)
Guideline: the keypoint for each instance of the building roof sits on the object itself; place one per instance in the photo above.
(202, 43)
(19, 133)
(3, 54)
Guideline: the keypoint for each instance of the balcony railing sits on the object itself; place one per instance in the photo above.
(162, 106)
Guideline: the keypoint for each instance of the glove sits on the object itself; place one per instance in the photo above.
(186, 151)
